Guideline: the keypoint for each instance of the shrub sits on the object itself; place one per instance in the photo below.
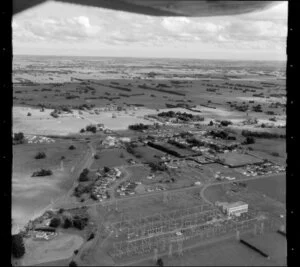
(73, 264)
(160, 262)
(262, 134)
(28, 114)
(40, 155)
(17, 246)
(275, 154)
(76, 251)
(61, 210)
(249, 140)
(93, 196)
(71, 147)
(54, 114)
(55, 222)
(67, 223)
(82, 130)
(81, 189)
(157, 166)
(62, 157)
(42, 173)
(84, 175)
(91, 128)
(92, 235)
(106, 169)
(96, 157)
(225, 123)
(79, 223)
(138, 127)
(18, 138)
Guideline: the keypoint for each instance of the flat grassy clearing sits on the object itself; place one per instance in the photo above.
(148, 153)
(274, 245)
(268, 146)
(112, 158)
(24, 161)
(32, 194)
(139, 174)
(273, 187)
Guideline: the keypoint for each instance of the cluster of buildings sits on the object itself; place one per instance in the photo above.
(112, 141)
(233, 209)
(262, 169)
(42, 235)
(221, 177)
(127, 188)
(155, 188)
(104, 182)
(38, 139)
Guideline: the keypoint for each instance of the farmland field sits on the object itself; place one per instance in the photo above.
(31, 194)
(236, 159)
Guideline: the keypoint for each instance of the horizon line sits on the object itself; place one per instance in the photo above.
(137, 57)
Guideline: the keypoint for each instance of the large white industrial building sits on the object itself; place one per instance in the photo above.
(235, 208)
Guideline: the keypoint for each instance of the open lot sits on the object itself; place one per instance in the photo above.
(112, 157)
(59, 248)
(273, 187)
(149, 154)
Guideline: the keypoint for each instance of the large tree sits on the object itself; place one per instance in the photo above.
(160, 262)
(17, 246)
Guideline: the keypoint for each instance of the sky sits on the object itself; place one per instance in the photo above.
(55, 28)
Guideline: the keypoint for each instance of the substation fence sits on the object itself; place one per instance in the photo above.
(162, 219)
(164, 238)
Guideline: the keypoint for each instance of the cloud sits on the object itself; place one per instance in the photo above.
(56, 29)
(260, 30)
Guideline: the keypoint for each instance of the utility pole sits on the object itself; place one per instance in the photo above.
(155, 255)
(170, 248)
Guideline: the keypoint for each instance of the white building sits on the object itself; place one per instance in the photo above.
(235, 208)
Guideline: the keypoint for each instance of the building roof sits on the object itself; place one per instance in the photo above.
(236, 204)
